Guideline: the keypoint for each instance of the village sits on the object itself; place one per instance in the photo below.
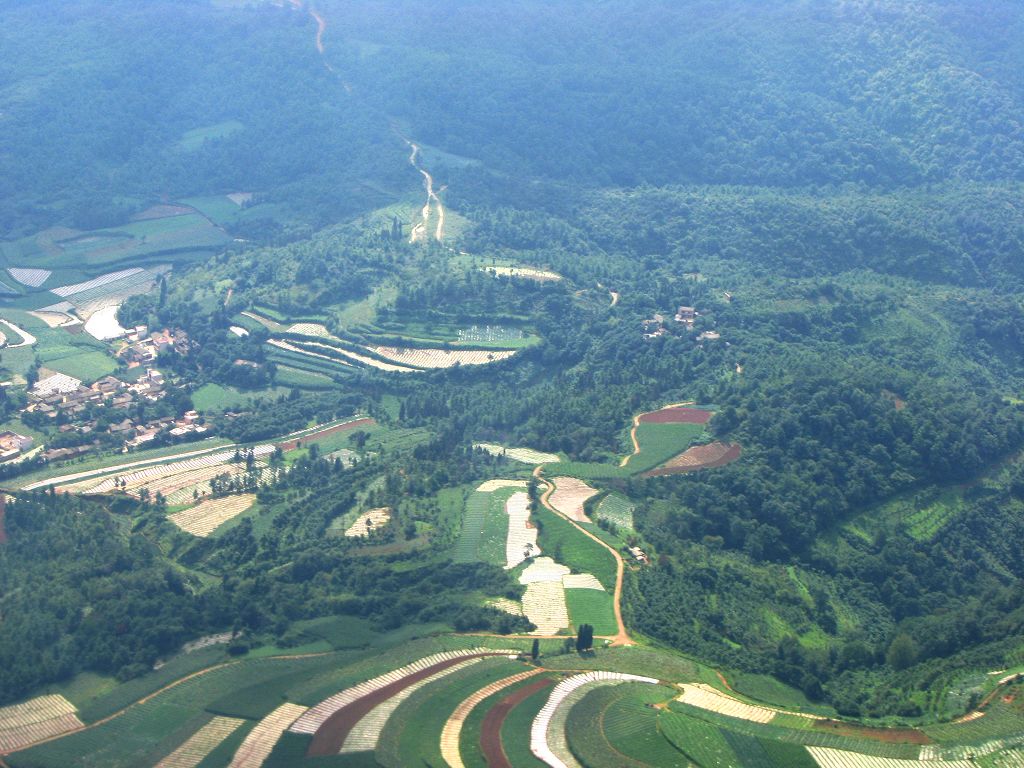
(655, 326)
(109, 413)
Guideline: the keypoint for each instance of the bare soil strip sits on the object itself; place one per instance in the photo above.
(330, 737)
(676, 416)
(490, 732)
(452, 731)
(290, 444)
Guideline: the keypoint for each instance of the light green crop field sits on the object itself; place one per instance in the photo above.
(560, 540)
(484, 528)
(590, 606)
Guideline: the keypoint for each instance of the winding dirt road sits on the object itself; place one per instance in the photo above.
(622, 636)
(419, 229)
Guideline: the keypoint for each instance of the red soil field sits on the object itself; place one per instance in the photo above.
(329, 739)
(698, 457)
(3, 511)
(291, 444)
(490, 731)
(677, 416)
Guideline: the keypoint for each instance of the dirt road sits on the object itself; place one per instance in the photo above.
(419, 229)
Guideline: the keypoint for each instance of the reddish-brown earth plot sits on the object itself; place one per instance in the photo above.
(699, 457)
(291, 444)
(490, 731)
(330, 737)
(676, 416)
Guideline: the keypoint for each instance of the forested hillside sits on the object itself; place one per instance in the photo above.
(828, 193)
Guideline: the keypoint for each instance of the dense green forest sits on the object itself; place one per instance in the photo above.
(835, 186)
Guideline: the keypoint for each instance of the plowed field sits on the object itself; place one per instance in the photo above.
(698, 457)
(677, 416)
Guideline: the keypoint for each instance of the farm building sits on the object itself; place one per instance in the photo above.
(686, 316)
(58, 383)
(654, 327)
(639, 555)
(13, 445)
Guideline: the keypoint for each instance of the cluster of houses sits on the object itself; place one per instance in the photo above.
(685, 316)
(141, 347)
(66, 395)
(138, 434)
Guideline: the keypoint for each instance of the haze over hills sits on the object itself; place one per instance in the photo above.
(623, 383)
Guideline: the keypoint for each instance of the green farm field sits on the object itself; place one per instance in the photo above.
(560, 540)
(591, 606)
(484, 527)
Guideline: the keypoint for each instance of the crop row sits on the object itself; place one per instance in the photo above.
(547, 733)
(311, 721)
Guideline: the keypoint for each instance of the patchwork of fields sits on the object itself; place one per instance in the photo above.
(469, 702)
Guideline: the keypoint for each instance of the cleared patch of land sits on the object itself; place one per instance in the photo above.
(366, 733)
(529, 273)
(521, 541)
(676, 415)
(440, 358)
(368, 522)
(838, 758)
(209, 514)
(569, 496)
(29, 276)
(524, 455)
(452, 730)
(698, 457)
(704, 696)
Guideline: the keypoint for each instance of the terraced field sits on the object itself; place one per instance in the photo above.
(617, 510)
(34, 720)
(260, 741)
(209, 514)
(201, 743)
(485, 523)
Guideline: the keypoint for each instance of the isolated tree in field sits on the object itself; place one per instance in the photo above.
(535, 650)
(585, 638)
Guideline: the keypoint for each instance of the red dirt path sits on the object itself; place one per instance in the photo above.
(330, 737)
(291, 444)
(698, 457)
(490, 731)
(676, 416)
